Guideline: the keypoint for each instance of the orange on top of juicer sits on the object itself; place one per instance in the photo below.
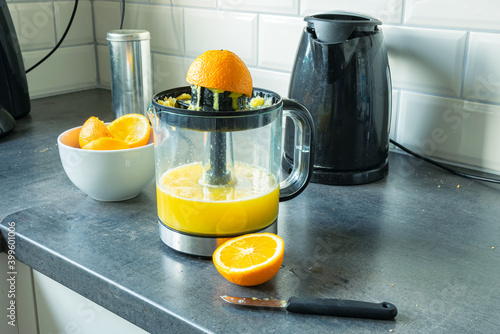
(222, 70)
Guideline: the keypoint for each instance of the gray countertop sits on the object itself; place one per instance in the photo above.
(421, 238)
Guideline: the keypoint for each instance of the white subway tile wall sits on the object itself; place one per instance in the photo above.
(164, 24)
(427, 60)
(34, 23)
(39, 26)
(482, 72)
(68, 69)
(104, 66)
(170, 71)
(81, 31)
(463, 14)
(276, 34)
(106, 17)
(276, 6)
(216, 29)
(442, 53)
(451, 129)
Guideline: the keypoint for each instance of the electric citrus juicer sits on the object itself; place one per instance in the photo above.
(218, 168)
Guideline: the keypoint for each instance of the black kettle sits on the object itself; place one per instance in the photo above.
(341, 74)
(14, 94)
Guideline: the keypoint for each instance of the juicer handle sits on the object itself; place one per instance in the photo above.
(303, 150)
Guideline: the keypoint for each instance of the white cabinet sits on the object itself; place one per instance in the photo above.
(47, 307)
(17, 299)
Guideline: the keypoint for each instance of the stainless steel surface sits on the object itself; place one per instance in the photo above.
(253, 301)
(198, 245)
(131, 75)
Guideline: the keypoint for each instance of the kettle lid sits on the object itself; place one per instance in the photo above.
(337, 27)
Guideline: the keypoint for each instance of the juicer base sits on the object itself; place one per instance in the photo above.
(200, 245)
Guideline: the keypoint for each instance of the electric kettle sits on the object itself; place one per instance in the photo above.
(14, 96)
(341, 74)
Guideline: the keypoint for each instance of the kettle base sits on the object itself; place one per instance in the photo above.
(331, 176)
(346, 178)
(202, 246)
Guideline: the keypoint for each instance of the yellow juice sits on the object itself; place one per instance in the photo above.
(248, 205)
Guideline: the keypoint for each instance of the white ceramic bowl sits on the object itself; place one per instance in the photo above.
(115, 175)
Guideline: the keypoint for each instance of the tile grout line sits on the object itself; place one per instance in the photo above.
(465, 62)
(396, 115)
(403, 12)
(96, 53)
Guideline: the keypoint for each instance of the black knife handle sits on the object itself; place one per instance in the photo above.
(342, 308)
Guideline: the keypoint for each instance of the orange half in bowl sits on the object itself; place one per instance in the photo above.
(114, 175)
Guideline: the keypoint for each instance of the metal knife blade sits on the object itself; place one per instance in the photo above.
(253, 301)
(322, 306)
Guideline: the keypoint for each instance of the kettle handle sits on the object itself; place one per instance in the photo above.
(303, 154)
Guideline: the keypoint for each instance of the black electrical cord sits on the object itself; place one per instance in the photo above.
(123, 14)
(435, 163)
(60, 41)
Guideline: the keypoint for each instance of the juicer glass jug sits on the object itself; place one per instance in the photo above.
(218, 172)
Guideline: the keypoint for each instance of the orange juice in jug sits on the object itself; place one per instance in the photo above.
(187, 205)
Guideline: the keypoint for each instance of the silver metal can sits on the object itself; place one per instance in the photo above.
(131, 75)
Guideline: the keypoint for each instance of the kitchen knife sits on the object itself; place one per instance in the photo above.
(322, 306)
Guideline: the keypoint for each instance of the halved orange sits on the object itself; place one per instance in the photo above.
(221, 69)
(105, 144)
(250, 259)
(134, 129)
(92, 129)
